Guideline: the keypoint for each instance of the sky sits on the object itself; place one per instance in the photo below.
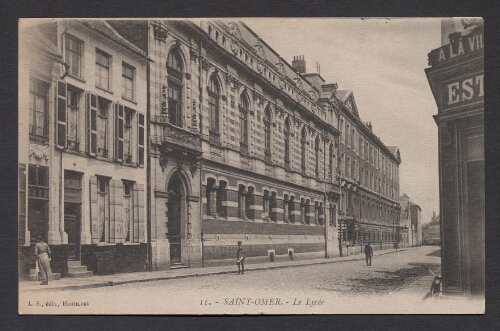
(382, 61)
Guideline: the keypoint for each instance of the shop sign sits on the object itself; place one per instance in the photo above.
(465, 90)
(459, 47)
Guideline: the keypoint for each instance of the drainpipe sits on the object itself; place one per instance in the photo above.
(325, 221)
(201, 159)
(148, 162)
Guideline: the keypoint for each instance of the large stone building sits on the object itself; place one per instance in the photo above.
(221, 141)
(82, 172)
(456, 78)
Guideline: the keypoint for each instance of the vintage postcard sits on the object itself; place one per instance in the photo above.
(251, 166)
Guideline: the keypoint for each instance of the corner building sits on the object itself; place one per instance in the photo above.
(456, 78)
(82, 172)
(242, 148)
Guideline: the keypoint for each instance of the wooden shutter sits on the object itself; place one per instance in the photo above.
(119, 111)
(140, 139)
(92, 123)
(94, 211)
(61, 114)
(116, 215)
(139, 222)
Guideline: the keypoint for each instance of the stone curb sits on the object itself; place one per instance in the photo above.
(208, 273)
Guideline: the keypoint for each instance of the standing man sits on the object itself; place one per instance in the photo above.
(240, 259)
(42, 252)
(368, 254)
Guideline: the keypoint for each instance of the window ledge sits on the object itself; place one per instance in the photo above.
(130, 244)
(104, 89)
(80, 79)
(129, 100)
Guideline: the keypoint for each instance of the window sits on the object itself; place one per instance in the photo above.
(302, 211)
(266, 205)
(102, 66)
(141, 140)
(128, 203)
(38, 182)
(347, 133)
(174, 71)
(316, 156)
(102, 127)
(331, 158)
(124, 133)
(348, 167)
(286, 133)
(244, 108)
(250, 202)
(211, 195)
(38, 110)
(128, 74)
(213, 105)
(267, 133)
(73, 113)
(221, 198)
(303, 146)
(361, 147)
(73, 55)
(341, 127)
(242, 195)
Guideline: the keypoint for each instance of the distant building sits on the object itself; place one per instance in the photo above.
(456, 78)
(431, 232)
(410, 222)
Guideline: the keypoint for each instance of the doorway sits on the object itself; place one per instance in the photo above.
(38, 219)
(72, 226)
(176, 201)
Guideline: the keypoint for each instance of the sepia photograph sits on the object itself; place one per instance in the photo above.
(251, 166)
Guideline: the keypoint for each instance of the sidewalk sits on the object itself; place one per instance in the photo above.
(136, 277)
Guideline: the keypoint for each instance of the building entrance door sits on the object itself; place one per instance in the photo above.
(175, 216)
(72, 226)
(38, 219)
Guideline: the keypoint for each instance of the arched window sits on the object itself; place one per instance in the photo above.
(244, 108)
(213, 105)
(174, 71)
(267, 132)
(316, 155)
(286, 133)
(303, 146)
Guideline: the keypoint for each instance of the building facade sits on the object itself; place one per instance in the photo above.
(169, 141)
(410, 222)
(369, 175)
(456, 78)
(82, 157)
(431, 232)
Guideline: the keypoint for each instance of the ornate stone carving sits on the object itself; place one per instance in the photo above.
(194, 53)
(234, 46)
(38, 151)
(234, 30)
(280, 66)
(281, 82)
(259, 98)
(233, 81)
(160, 32)
(260, 51)
(313, 95)
(204, 63)
(298, 82)
(260, 66)
(188, 76)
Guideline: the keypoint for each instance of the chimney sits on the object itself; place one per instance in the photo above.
(369, 125)
(299, 64)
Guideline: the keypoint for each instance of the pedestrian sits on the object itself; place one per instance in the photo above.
(240, 259)
(368, 254)
(43, 256)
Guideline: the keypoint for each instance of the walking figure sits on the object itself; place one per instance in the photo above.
(43, 255)
(368, 254)
(240, 259)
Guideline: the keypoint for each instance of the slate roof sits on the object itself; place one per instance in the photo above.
(105, 29)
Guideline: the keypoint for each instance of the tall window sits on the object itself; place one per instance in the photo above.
(242, 203)
(347, 133)
(127, 135)
(73, 98)
(267, 132)
(38, 110)
(141, 140)
(316, 156)
(103, 208)
(286, 133)
(331, 158)
(102, 66)
(213, 105)
(128, 74)
(244, 108)
(73, 55)
(361, 147)
(102, 127)
(341, 127)
(303, 146)
(174, 70)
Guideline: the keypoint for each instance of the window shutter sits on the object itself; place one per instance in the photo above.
(94, 211)
(61, 114)
(92, 123)
(140, 139)
(116, 221)
(119, 111)
(139, 226)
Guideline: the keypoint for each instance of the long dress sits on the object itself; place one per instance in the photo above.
(42, 252)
